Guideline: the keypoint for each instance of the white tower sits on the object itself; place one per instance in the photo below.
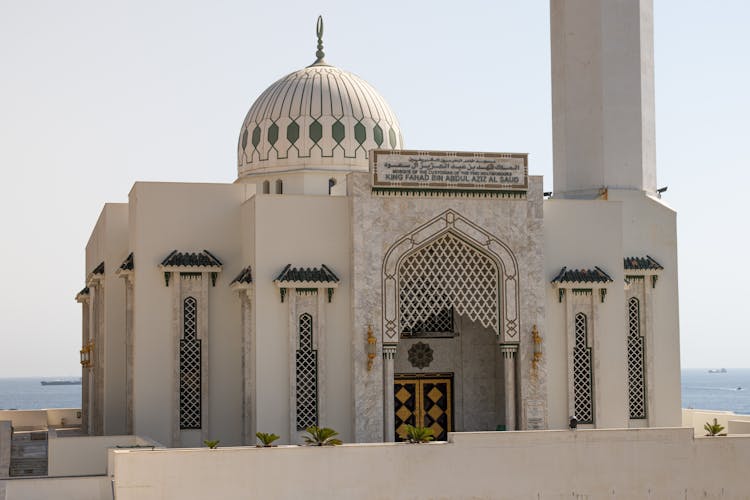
(602, 96)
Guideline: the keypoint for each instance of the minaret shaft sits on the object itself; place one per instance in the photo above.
(602, 96)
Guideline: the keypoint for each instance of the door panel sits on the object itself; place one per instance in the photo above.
(424, 401)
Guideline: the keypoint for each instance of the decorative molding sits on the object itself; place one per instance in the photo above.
(420, 355)
(460, 227)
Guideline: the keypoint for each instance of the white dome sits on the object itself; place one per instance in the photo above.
(317, 117)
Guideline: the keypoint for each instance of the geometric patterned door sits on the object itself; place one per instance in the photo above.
(424, 401)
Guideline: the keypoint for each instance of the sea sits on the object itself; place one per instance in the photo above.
(728, 391)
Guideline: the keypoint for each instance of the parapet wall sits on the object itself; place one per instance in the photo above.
(41, 419)
(733, 423)
(634, 463)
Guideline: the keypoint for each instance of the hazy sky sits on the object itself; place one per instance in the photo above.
(95, 95)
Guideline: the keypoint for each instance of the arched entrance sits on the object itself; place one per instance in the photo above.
(450, 297)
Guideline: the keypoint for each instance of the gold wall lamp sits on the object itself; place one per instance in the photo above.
(372, 348)
(86, 355)
(537, 348)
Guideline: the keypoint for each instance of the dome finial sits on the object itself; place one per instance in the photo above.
(319, 31)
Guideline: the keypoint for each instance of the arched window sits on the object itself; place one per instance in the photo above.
(636, 361)
(279, 186)
(266, 187)
(583, 383)
(444, 276)
(190, 367)
(307, 375)
(331, 183)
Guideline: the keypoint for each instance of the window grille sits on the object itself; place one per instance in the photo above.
(190, 367)
(582, 374)
(307, 375)
(445, 276)
(636, 361)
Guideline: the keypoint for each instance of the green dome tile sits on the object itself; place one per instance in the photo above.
(377, 134)
(256, 136)
(273, 134)
(316, 131)
(337, 130)
(292, 132)
(360, 133)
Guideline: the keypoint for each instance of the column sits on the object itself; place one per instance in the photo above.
(389, 417)
(509, 371)
(248, 367)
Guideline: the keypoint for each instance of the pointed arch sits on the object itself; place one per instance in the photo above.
(451, 224)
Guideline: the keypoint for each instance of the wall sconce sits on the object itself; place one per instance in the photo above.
(537, 348)
(372, 348)
(86, 355)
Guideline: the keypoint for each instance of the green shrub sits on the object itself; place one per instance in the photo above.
(418, 434)
(321, 436)
(714, 429)
(266, 440)
(211, 443)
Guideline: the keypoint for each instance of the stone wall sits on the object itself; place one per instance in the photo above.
(514, 222)
(664, 463)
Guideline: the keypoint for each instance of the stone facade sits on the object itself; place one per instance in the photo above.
(514, 222)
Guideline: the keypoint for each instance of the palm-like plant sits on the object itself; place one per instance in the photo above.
(321, 436)
(266, 440)
(211, 443)
(418, 434)
(713, 429)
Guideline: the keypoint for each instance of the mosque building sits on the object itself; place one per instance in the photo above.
(345, 281)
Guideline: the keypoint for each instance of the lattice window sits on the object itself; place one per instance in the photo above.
(307, 375)
(445, 276)
(582, 375)
(636, 361)
(190, 367)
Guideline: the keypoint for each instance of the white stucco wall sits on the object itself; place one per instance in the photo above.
(733, 423)
(185, 217)
(109, 244)
(63, 488)
(581, 234)
(602, 95)
(85, 455)
(305, 231)
(635, 463)
(649, 227)
(39, 419)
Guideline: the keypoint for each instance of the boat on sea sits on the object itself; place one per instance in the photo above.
(721, 370)
(61, 382)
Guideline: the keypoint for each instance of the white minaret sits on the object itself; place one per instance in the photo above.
(602, 96)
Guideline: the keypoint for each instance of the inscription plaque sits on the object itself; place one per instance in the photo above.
(449, 171)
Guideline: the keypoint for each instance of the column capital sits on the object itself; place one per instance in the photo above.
(389, 351)
(509, 350)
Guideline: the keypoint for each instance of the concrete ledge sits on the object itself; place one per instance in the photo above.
(623, 463)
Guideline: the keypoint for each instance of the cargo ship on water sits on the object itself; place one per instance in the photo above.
(61, 382)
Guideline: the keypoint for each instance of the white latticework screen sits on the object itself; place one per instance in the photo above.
(636, 361)
(444, 276)
(582, 376)
(307, 375)
(190, 367)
